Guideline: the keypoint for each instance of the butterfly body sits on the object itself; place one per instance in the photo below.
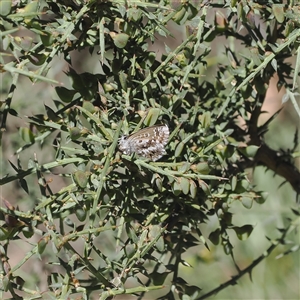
(148, 142)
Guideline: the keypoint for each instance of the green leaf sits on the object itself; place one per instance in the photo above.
(47, 38)
(152, 116)
(26, 135)
(75, 133)
(120, 40)
(205, 119)
(262, 199)
(185, 185)
(214, 236)
(42, 244)
(5, 7)
(38, 59)
(81, 178)
(179, 149)
(202, 168)
(30, 11)
(80, 214)
(65, 94)
(278, 11)
(193, 189)
(123, 80)
(88, 105)
(176, 187)
(247, 202)
(243, 232)
(179, 16)
(249, 151)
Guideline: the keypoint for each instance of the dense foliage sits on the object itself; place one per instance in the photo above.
(112, 224)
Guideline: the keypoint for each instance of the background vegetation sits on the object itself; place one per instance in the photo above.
(79, 220)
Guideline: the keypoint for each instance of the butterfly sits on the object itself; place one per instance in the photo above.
(148, 142)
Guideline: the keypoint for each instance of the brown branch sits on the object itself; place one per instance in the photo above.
(233, 280)
(280, 163)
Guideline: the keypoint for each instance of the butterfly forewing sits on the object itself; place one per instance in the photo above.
(148, 142)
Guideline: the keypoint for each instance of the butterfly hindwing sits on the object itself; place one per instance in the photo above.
(148, 142)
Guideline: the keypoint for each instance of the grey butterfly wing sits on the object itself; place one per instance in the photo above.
(148, 142)
(153, 144)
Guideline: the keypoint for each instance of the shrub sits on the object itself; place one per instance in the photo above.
(90, 220)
